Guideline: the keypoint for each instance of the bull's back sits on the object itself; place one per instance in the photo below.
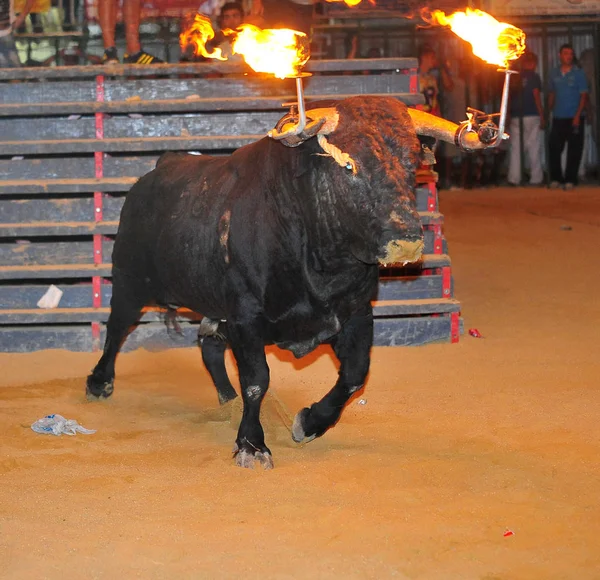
(166, 212)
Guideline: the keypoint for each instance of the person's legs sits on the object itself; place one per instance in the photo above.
(558, 137)
(533, 148)
(107, 15)
(514, 162)
(131, 16)
(574, 151)
(132, 10)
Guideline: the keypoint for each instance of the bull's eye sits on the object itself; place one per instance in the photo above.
(349, 166)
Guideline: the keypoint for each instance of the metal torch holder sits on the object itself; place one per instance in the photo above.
(481, 123)
(303, 127)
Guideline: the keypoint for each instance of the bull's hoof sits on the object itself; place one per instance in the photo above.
(96, 391)
(247, 456)
(298, 428)
(224, 398)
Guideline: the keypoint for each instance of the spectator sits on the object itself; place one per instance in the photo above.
(373, 52)
(9, 22)
(428, 81)
(567, 100)
(526, 108)
(230, 17)
(455, 165)
(107, 12)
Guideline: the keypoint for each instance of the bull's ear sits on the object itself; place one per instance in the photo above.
(303, 162)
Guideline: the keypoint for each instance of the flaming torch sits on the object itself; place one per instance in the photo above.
(280, 52)
(351, 2)
(495, 42)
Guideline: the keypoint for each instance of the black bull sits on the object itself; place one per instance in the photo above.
(273, 245)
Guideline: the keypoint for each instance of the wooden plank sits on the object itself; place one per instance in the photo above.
(76, 315)
(122, 126)
(52, 272)
(22, 212)
(22, 230)
(47, 251)
(387, 308)
(114, 70)
(82, 185)
(427, 262)
(412, 331)
(409, 287)
(166, 89)
(76, 167)
(191, 105)
(74, 295)
(32, 338)
(126, 145)
(80, 315)
(31, 254)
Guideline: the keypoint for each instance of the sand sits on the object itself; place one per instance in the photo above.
(455, 445)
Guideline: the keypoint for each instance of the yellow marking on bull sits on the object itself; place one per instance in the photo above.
(402, 252)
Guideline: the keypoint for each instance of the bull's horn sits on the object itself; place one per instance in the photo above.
(318, 121)
(432, 126)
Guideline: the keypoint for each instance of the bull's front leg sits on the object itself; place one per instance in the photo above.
(352, 347)
(249, 352)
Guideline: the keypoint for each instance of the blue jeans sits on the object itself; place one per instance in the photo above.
(9, 57)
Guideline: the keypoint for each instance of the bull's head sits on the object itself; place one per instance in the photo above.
(365, 152)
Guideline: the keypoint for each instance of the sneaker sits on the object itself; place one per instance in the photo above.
(554, 185)
(569, 186)
(141, 57)
(110, 56)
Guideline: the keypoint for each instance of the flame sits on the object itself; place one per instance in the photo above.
(281, 52)
(197, 35)
(351, 2)
(492, 41)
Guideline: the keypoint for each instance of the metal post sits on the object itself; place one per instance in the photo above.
(301, 109)
(503, 107)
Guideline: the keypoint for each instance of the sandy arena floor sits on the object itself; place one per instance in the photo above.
(456, 444)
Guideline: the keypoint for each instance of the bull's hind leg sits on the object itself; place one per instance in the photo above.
(352, 346)
(128, 299)
(213, 342)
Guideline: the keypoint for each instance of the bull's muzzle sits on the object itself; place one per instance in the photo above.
(402, 252)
